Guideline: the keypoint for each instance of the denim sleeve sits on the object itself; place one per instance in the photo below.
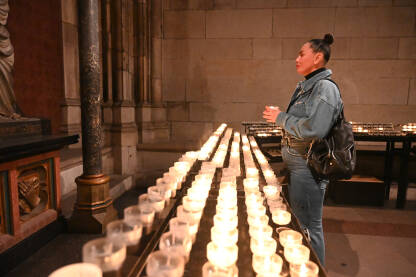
(324, 107)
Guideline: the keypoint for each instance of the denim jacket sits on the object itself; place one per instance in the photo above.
(316, 104)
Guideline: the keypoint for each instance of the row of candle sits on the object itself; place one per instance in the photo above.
(222, 251)
(183, 228)
(234, 161)
(208, 147)
(265, 260)
(222, 150)
(294, 252)
(108, 253)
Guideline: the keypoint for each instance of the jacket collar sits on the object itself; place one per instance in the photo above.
(306, 85)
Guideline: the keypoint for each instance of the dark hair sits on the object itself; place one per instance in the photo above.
(323, 45)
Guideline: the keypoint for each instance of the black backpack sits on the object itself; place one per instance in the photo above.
(334, 156)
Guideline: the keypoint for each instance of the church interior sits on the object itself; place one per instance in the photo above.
(153, 110)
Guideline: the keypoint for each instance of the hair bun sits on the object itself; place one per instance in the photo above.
(328, 39)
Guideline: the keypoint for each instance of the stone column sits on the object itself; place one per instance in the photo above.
(124, 129)
(151, 113)
(93, 209)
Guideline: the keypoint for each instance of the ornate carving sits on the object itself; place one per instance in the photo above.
(33, 187)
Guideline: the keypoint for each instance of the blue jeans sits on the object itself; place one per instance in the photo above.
(306, 198)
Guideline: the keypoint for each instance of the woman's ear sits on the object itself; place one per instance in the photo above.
(318, 59)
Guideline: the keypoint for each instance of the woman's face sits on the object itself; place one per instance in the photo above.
(308, 61)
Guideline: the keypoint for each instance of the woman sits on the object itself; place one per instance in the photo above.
(313, 109)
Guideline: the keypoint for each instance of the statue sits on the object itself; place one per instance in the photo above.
(8, 105)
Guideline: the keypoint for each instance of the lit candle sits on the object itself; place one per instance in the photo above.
(263, 246)
(290, 237)
(271, 192)
(78, 269)
(258, 232)
(128, 232)
(308, 269)
(281, 217)
(223, 236)
(258, 220)
(222, 256)
(191, 215)
(178, 244)
(225, 222)
(268, 265)
(297, 254)
(108, 254)
(228, 211)
(256, 211)
(252, 172)
(165, 263)
(210, 270)
(198, 193)
(192, 204)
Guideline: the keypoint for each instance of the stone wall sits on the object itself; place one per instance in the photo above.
(223, 60)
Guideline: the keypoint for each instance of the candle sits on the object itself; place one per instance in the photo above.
(281, 217)
(308, 269)
(263, 246)
(145, 213)
(271, 192)
(78, 269)
(165, 263)
(267, 264)
(128, 233)
(178, 244)
(290, 237)
(258, 220)
(296, 254)
(197, 193)
(258, 232)
(250, 183)
(210, 270)
(252, 172)
(222, 256)
(192, 204)
(257, 210)
(226, 237)
(225, 222)
(179, 227)
(228, 211)
(162, 190)
(108, 254)
(182, 213)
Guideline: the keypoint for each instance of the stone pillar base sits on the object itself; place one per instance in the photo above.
(94, 206)
(152, 124)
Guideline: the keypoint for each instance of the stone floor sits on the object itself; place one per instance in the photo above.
(360, 241)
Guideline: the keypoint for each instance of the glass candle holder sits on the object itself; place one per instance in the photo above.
(258, 220)
(297, 253)
(160, 190)
(252, 172)
(271, 192)
(250, 183)
(183, 213)
(222, 256)
(128, 232)
(228, 185)
(267, 264)
(165, 263)
(179, 227)
(257, 210)
(276, 206)
(290, 237)
(155, 201)
(225, 222)
(263, 246)
(226, 201)
(228, 211)
(146, 213)
(193, 205)
(228, 192)
(229, 172)
(210, 270)
(281, 217)
(78, 269)
(179, 244)
(107, 254)
(308, 269)
(259, 232)
(197, 193)
(226, 237)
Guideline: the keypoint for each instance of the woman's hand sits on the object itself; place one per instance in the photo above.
(270, 113)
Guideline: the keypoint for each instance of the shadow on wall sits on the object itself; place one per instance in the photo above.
(340, 257)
